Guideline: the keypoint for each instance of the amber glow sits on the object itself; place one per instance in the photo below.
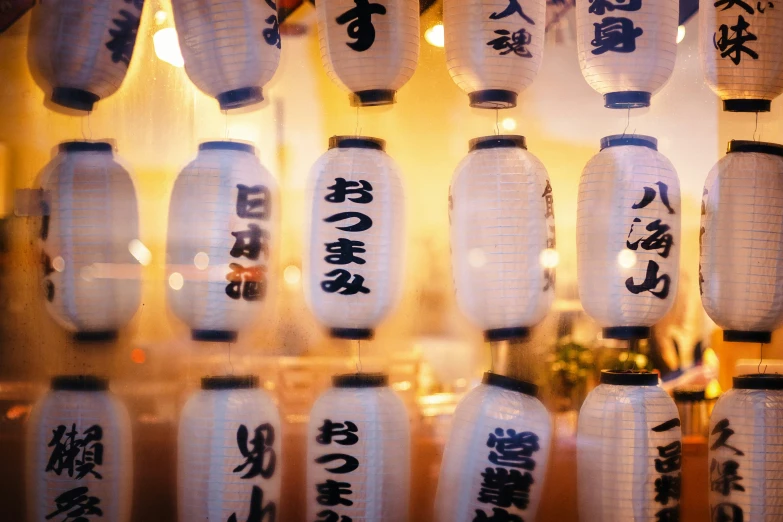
(138, 356)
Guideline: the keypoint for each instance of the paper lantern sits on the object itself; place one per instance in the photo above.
(628, 236)
(353, 269)
(495, 459)
(79, 456)
(741, 262)
(231, 48)
(502, 223)
(627, 49)
(494, 48)
(221, 240)
(369, 47)
(91, 281)
(358, 452)
(81, 50)
(229, 457)
(746, 465)
(629, 451)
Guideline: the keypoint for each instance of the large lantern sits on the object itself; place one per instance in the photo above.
(746, 468)
(741, 263)
(358, 452)
(629, 451)
(495, 459)
(628, 236)
(81, 50)
(91, 281)
(494, 48)
(79, 456)
(627, 49)
(229, 460)
(502, 223)
(353, 269)
(221, 240)
(231, 48)
(370, 47)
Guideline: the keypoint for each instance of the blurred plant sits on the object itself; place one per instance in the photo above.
(572, 367)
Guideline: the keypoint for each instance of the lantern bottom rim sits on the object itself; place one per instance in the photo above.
(747, 105)
(627, 100)
(493, 99)
(372, 97)
(741, 336)
(626, 333)
(509, 383)
(507, 334)
(356, 334)
(218, 336)
(96, 336)
(73, 98)
(238, 98)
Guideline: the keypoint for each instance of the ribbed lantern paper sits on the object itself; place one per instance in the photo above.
(629, 451)
(502, 223)
(745, 461)
(229, 458)
(231, 48)
(91, 280)
(221, 240)
(494, 48)
(495, 459)
(741, 263)
(79, 455)
(628, 236)
(627, 49)
(355, 237)
(358, 453)
(80, 50)
(369, 47)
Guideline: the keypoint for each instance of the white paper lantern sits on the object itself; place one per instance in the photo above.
(502, 228)
(495, 459)
(741, 262)
(355, 237)
(358, 452)
(91, 280)
(746, 464)
(369, 47)
(627, 49)
(80, 49)
(79, 453)
(231, 48)
(229, 456)
(629, 451)
(494, 48)
(221, 240)
(628, 236)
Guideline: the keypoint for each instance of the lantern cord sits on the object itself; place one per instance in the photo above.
(225, 113)
(633, 349)
(229, 359)
(359, 354)
(761, 354)
(356, 132)
(757, 126)
(497, 122)
(627, 121)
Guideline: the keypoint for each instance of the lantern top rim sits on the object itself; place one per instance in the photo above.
(637, 140)
(500, 141)
(238, 146)
(509, 383)
(360, 380)
(85, 146)
(629, 378)
(84, 383)
(229, 382)
(356, 142)
(759, 381)
(754, 146)
(689, 394)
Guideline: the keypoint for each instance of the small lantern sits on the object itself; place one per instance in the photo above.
(746, 468)
(221, 240)
(91, 281)
(229, 461)
(369, 47)
(231, 48)
(494, 48)
(628, 236)
(495, 459)
(358, 452)
(741, 263)
(502, 223)
(629, 451)
(79, 453)
(353, 269)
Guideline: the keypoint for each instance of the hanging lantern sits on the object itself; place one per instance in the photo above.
(221, 240)
(369, 47)
(358, 452)
(91, 280)
(502, 237)
(746, 470)
(353, 270)
(741, 263)
(495, 460)
(629, 451)
(79, 453)
(628, 236)
(494, 48)
(81, 53)
(627, 49)
(231, 48)
(229, 452)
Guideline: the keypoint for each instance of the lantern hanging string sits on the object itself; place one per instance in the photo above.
(230, 363)
(356, 132)
(358, 355)
(627, 121)
(88, 135)
(633, 350)
(225, 114)
(757, 127)
(761, 354)
(497, 122)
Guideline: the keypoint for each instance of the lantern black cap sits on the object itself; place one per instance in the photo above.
(508, 383)
(372, 98)
(755, 146)
(238, 98)
(356, 334)
(85, 146)
(360, 380)
(507, 334)
(759, 381)
(229, 382)
(627, 100)
(629, 378)
(747, 105)
(738, 336)
(626, 333)
(84, 383)
(214, 336)
(78, 99)
(636, 140)
(497, 142)
(227, 145)
(493, 99)
(356, 142)
(100, 336)
(689, 394)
